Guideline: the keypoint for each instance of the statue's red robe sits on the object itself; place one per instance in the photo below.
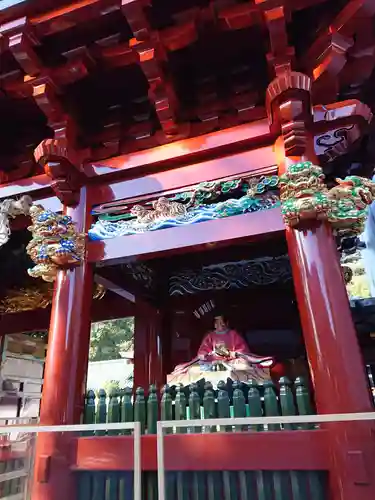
(235, 344)
(230, 339)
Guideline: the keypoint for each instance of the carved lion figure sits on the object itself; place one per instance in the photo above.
(56, 243)
(304, 195)
(349, 201)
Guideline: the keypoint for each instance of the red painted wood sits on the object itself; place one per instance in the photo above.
(37, 186)
(284, 450)
(214, 145)
(66, 367)
(335, 360)
(189, 238)
(50, 203)
(7, 453)
(249, 136)
(261, 159)
(147, 346)
(140, 350)
(69, 337)
(336, 364)
(329, 331)
(28, 321)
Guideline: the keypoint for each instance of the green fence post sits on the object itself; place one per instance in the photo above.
(271, 404)
(180, 408)
(194, 406)
(223, 405)
(127, 413)
(287, 400)
(101, 411)
(166, 406)
(140, 408)
(113, 410)
(255, 404)
(89, 412)
(303, 401)
(209, 406)
(152, 410)
(239, 404)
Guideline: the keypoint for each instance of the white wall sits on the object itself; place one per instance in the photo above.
(100, 372)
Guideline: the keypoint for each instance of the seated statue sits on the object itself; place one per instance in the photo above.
(223, 354)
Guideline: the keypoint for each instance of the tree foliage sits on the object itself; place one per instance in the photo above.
(111, 339)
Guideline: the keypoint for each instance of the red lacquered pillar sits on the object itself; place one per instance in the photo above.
(140, 349)
(65, 371)
(147, 347)
(336, 364)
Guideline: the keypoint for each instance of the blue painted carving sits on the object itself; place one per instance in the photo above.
(190, 207)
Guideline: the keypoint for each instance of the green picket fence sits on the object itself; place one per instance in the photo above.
(196, 402)
(201, 401)
(207, 485)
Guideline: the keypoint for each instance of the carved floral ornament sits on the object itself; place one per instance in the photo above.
(304, 196)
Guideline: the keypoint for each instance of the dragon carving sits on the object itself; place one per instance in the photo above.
(56, 243)
(305, 196)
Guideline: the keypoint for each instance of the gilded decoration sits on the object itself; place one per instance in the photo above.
(56, 243)
(304, 196)
(9, 209)
(204, 202)
(29, 299)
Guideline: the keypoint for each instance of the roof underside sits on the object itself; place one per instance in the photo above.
(137, 74)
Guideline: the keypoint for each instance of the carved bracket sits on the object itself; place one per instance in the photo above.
(289, 110)
(335, 127)
(59, 163)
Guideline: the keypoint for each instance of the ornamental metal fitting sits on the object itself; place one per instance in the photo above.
(56, 243)
(304, 196)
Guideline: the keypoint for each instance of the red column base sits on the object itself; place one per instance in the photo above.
(352, 453)
(53, 478)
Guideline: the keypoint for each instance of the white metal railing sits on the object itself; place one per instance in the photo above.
(213, 422)
(12, 432)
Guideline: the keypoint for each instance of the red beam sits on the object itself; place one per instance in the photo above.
(224, 142)
(260, 160)
(195, 237)
(24, 322)
(37, 187)
(188, 151)
(284, 450)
